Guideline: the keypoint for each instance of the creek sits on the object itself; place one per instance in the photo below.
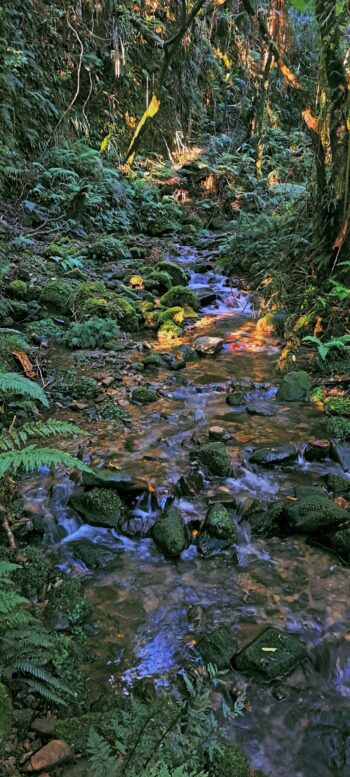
(299, 726)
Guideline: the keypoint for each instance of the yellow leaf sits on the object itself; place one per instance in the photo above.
(268, 650)
(151, 111)
(106, 141)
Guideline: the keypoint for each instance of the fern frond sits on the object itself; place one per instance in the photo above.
(40, 674)
(9, 600)
(32, 458)
(46, 692)
(18, 437)
(12, 382)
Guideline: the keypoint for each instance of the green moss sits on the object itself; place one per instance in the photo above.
(218, 523)
(18, 289)
(338, 406)
(272, 654)
(152, 361)
(170, 532)
(85, 291)
(229, 761)
(66, 600)
(169, 331)
(217, 647)
(125, 314)
(180, 296)
(57, 294)
(86, 388)
(216, 458)
(44, 327)
(108, 249)
(178, 275)
(176, 314)
(338, 427)
(94, 333)
(5, 717)
(337, 484)
(158, 281)
(100, 507)
(144, 396)
(313, 514)
(33, 575)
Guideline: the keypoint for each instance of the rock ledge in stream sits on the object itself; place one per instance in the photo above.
(170, 533)
(272, 455)
(272, 654)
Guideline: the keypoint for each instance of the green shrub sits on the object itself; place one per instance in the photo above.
(108, 249)
(56, 294)
(94, 333)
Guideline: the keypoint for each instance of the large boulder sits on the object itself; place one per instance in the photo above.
(315, 514)
(218, 523)
(215, 458)
(170, 532)
(295, 387)
(273, 455)
(272, 654)
(100, 507)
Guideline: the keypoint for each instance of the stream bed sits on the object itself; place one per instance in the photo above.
(299, 726)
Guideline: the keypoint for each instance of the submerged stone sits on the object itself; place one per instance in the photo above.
(113, 478)
(312, 514)
(170, 532)
(259, 408)
(217, 647)
(272, 654)
(317, 450)
(274, 455)
(295, 387)
(92, 555)
(218, 523)
(100, 507)
(216, 458)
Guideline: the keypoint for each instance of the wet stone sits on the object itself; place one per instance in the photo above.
(189, 484)
(273, 654)
(44, 726)
(341, 453)
(218, 523)
(208, 346)
(314, 514)
(170, 532)
(219, 434)
(337, 484)
(317, 450)
(52, 755)
(259, 408)
(235, 399)
(99, 507)
(217, 647)
(92, 555)
(216, 458)
(274, 455)
(295, 387)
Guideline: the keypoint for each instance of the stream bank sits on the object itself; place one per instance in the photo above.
(150, 612)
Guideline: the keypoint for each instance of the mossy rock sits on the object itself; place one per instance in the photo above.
(338, 406)
(340, 542)
(45, 327)
(125, 314)
(99, 507)
(338, 427)
(33, 574)
(170, 532)
(85, 291)
(313, 514)
(217, 647)
(66, 602)
(178, 275)
(295, 387)
(169, 331)
(57, 295)
(177, 314)
(337, 484)
(273, 654)
(18, 289)
(218, 523)
(143, 395)
(216, 458)
(152, 361)
(86, 388)
(180, 296)
(150, 316)
(158, 281)
(235, 398)
(5, 717)
(108, 249)
(229, 761)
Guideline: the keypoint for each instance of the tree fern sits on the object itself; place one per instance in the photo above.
(32, 458)
(13, 383)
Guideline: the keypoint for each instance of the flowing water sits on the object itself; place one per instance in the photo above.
(301, 726)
